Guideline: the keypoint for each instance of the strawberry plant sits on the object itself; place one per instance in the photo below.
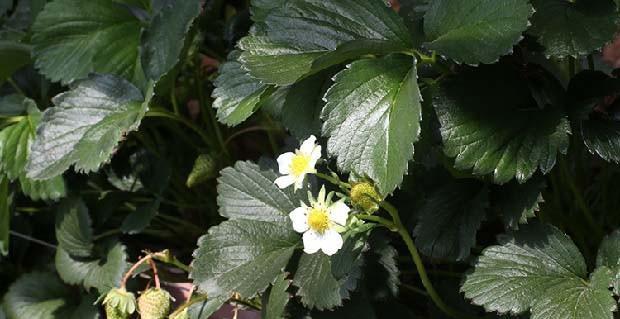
(309, 159)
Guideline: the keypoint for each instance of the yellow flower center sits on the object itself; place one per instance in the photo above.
(299, 164)
(318, 219)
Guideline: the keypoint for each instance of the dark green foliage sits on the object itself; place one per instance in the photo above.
(449, 159)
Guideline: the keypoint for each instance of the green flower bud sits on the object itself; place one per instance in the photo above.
(205, 168)
(154, 304)
(364, 197)
(119, 304)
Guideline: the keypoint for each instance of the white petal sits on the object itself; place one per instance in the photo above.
(299, 181)
(321, 198)
(339, 212)
(331, 242)
(285, 181)
(299, 217)
(315, 155)
(284, 162)
(308, 145)
(312, 242)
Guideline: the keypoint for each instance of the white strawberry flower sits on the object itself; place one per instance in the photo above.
(319, 223)
(295, 166)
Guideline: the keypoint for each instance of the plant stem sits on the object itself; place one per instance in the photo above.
(246, 130)
(32, 239)
(155, 274)
(168, 258)
(414, 289)
(133, 268)
(209, 109)
(108, 233)
(15, 86)
(579, 199)
(173, 100)
(379, 220)
(419, 263)
(246, 303)
(158, 112)
(334, 180)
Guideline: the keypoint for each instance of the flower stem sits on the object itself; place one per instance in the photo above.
(417, 260)
(133, 268)
(334, 180)
(379, 220)
(155, 274)
(166, 257)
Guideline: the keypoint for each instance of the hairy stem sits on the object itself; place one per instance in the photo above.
(133, 268)
(419, 263)
(155, 274)
(334, 180)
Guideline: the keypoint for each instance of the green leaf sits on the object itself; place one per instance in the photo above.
(609, 251)
(382, 275)
(372, 118)
(590, 96)
(539, 268)
(301, 111)
(609, 256)
(589, 90)
(475, 31)
(318, 287)
(5, 5)
(17, 53)
(204, 309)
(13, 105)
(163, 41)
(261, 8)
(141, 218)
(73, 228)
(519, 202)
(73, 38)
(294, 36)
(247, 192)
(242, 256)
(236, 93)
(43, 296)
(450, 218)
(323, 281)
(601, 135)
(491, 124)
(278, 298)
(5, 215)
(85, 126)
(578, 299)
(102, 273)
(15, 142)
(572, 28)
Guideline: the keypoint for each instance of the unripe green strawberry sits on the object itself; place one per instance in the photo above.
(364, 197)
(154, 304)
(112, 312)
(119, 304)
